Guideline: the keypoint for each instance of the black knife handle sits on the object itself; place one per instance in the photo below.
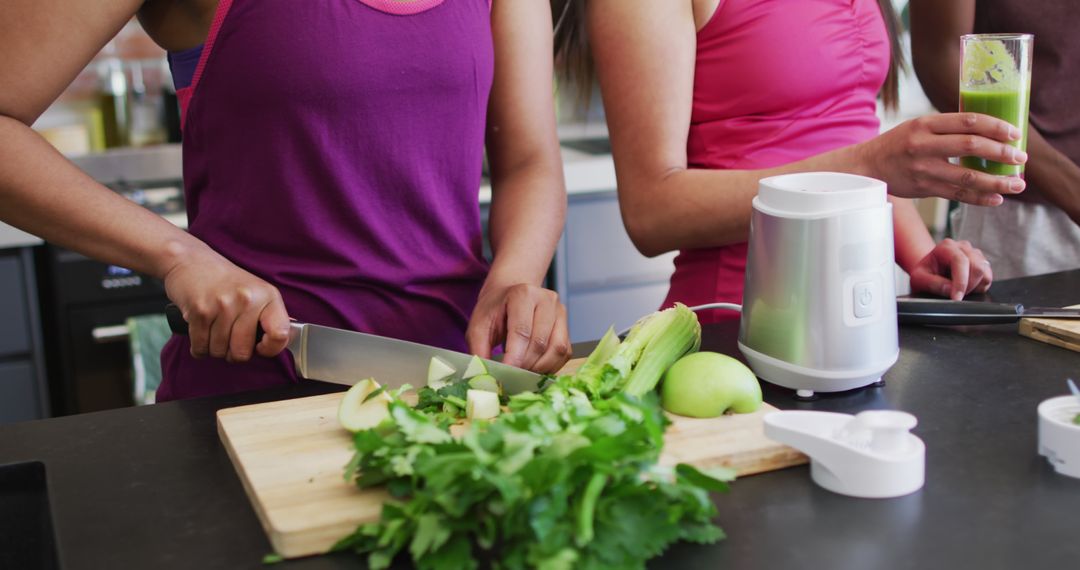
(946, 312)
(178, 325)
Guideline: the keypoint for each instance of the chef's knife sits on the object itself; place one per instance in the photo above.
(945, 312)
(346, 357)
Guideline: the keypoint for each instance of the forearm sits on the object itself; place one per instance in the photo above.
(43, 193)
(936, 28)
(697, 208)
(937, 68)
(1052, 174)
(912, 240)
(528, 208)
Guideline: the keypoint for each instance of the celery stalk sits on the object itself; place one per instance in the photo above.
(666, 337)
(636, 364)
(603, 352)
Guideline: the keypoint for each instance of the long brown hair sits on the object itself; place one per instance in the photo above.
(574, 61)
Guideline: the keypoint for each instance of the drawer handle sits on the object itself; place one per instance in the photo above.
(112, 333)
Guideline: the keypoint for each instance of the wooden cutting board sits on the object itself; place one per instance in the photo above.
(1058, 332)
(291, 455)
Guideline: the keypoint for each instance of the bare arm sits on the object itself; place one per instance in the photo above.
(645, 52)
(45, 44)
(528, 204)
(936, 28)
(912, 239)
(45, 47)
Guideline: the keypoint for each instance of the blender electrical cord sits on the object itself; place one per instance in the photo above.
(729, 306)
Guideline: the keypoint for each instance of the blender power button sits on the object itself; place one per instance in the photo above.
(864, 298)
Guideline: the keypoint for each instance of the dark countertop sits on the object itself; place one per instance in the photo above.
(152, 487)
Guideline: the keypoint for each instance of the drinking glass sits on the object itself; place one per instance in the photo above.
(995, 80)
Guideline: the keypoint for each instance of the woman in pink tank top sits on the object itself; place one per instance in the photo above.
(706, 97)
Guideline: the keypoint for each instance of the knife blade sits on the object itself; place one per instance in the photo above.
(346, 357)
(947, 312)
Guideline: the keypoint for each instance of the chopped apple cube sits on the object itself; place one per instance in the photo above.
(481, 405)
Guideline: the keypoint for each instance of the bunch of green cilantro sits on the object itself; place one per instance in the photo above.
(567, 478)
(558, 482)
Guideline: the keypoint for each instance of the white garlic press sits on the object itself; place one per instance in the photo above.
(871, 455)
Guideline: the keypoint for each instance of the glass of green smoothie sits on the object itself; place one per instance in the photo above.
(995, 80)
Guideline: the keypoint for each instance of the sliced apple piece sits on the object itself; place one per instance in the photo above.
(438, 373)
(481, 405)
(475, 368)
(359, 411)
(485, 382)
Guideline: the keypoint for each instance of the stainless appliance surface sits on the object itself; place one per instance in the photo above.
(346, 357)
(819, 308)
(948, 312)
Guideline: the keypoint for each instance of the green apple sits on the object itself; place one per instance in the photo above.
(708, 384)
(358, 412)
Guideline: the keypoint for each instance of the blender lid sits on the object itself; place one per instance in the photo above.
(817, 194)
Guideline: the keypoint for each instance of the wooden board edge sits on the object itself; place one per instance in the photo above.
(1045, 331)
(277, 539)
(789, 457)
(1035, 333)
(290, 544)
(314, 541)
(757, 462)
(247, 408)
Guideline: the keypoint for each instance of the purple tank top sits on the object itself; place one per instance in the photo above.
(334, 148)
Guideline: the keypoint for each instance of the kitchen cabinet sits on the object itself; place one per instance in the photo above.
(23, 392)
(20, 399)
(601, 277)
(14, 327)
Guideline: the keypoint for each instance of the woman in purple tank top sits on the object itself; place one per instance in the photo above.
(332, 163)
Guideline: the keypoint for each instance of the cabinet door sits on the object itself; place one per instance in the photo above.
(593, 312)
(599, 251)
(18, 392)
(14, 329)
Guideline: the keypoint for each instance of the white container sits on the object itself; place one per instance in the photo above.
(872, 455)
(1059, 437)
(819, 305)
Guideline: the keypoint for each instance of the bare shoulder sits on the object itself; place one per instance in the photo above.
(703, 11)
(177, 24)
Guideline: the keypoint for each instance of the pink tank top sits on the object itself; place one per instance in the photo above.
(775, 82)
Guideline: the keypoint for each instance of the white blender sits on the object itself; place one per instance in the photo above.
(819, 305)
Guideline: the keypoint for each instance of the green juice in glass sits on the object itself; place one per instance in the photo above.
(1007, 104)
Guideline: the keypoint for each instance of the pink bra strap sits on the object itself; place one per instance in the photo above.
(215, 27)
(404, 8)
